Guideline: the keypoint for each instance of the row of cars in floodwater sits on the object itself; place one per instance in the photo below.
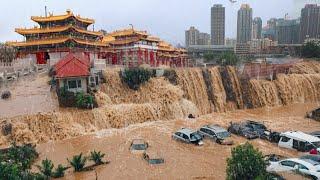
(308, 165)
(214, 132)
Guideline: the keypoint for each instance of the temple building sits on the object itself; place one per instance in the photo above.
(56, 36)
(133, 48)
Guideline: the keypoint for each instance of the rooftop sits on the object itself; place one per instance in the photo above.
(72, 66)
(68, 14)
(301, 136)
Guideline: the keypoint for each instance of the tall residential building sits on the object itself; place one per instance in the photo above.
(257, 28)
(244, 24)
(270, 31)
(217, 24)
(230, 42)
(310, 22)
(192, 36)
(288, 31)
(204, 39)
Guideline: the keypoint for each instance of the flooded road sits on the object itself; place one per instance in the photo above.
(29, 95)
(182, 161)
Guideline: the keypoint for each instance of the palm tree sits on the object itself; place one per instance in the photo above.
(96, 157)
(59, 172)
(46, 167)
(78, 162)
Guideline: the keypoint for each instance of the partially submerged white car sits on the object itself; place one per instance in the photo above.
(299, 140)
(304, 166)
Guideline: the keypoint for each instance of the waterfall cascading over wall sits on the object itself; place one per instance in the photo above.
(219, 89)
(192, 83)
(180, 93)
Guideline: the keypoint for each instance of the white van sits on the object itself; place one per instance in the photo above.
(299, 141)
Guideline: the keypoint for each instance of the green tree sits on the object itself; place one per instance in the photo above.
(46, 167)
(246, 162)
(227, 59)
(17, 161)
(78, 162)
(134, 77)
(310, 50)
(96, 157)
(209, 57)
(59, 171)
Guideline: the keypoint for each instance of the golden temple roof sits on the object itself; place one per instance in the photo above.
(69, 14)
(164, 46)
(38, 30)
(127, 32)
(108, 38)
(55, 41)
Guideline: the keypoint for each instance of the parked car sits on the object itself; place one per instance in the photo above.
(153, 158)
(217, 133)
(273, 137)
(315, 114)
(243, 130)
(188, 136)
(273, 157)
(315, 158)
(306, 167)
(316, 134)
(138, 146)
(298, 140)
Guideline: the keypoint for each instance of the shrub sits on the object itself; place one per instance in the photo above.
(16, 162)
(78, 162)
(46, 167)
(6, 95)
(96, 157)
(246, 162)
(22, 155)
(84, 101)
(59, 171)
(134, 77)
(80, 99)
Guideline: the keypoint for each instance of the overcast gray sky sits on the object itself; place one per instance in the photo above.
(167, 19)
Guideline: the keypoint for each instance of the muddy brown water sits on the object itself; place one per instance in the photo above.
(182, 161)
(30, 94)
(154, 112)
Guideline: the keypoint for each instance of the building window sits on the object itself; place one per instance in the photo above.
(74, 84)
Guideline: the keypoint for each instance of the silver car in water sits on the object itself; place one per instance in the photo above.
(188, 136)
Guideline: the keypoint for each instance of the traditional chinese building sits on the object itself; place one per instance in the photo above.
(57, 35)
(133, 48)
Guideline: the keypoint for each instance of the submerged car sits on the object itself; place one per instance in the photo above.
(138, 145)
(243, 129)
(153, 158)
(273, 158)
(217, 133)
(316, 134)
(307, 167)
(299, 140)
(188, 136)
(315, 158)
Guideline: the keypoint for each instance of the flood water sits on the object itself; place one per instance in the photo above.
(182, 161)
(215, 95)
(30, 94)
